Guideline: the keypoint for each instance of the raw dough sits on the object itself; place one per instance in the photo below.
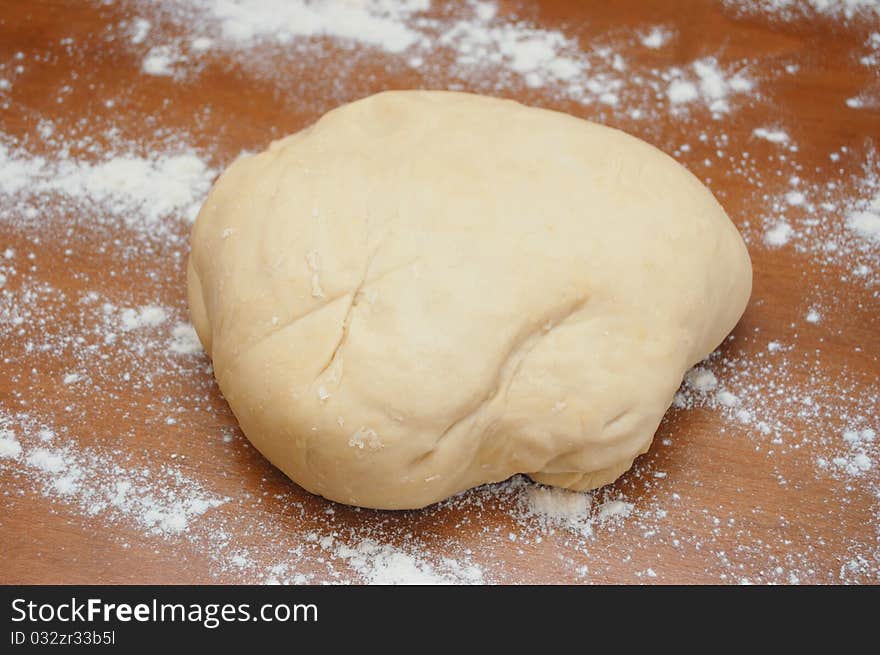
(427, 291)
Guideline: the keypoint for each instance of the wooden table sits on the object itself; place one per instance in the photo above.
(727, 493)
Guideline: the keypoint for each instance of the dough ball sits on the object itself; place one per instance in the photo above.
(428, 291)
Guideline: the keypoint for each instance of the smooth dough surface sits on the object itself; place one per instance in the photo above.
(427, 291)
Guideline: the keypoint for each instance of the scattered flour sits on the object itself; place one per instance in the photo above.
(834, 222)
(160, 499)
(141, 191)
(373, 22)
(489, 49)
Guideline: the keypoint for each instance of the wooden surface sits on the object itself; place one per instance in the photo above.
(715, 500)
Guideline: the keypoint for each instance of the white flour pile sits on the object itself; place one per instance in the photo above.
(560, 507)
(184, 340)
(656, 38)
(123, 363)
(9, 446)
(160, 61)
(864, 219)
(147, 316)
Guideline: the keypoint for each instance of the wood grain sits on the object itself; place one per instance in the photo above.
(732, 505)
